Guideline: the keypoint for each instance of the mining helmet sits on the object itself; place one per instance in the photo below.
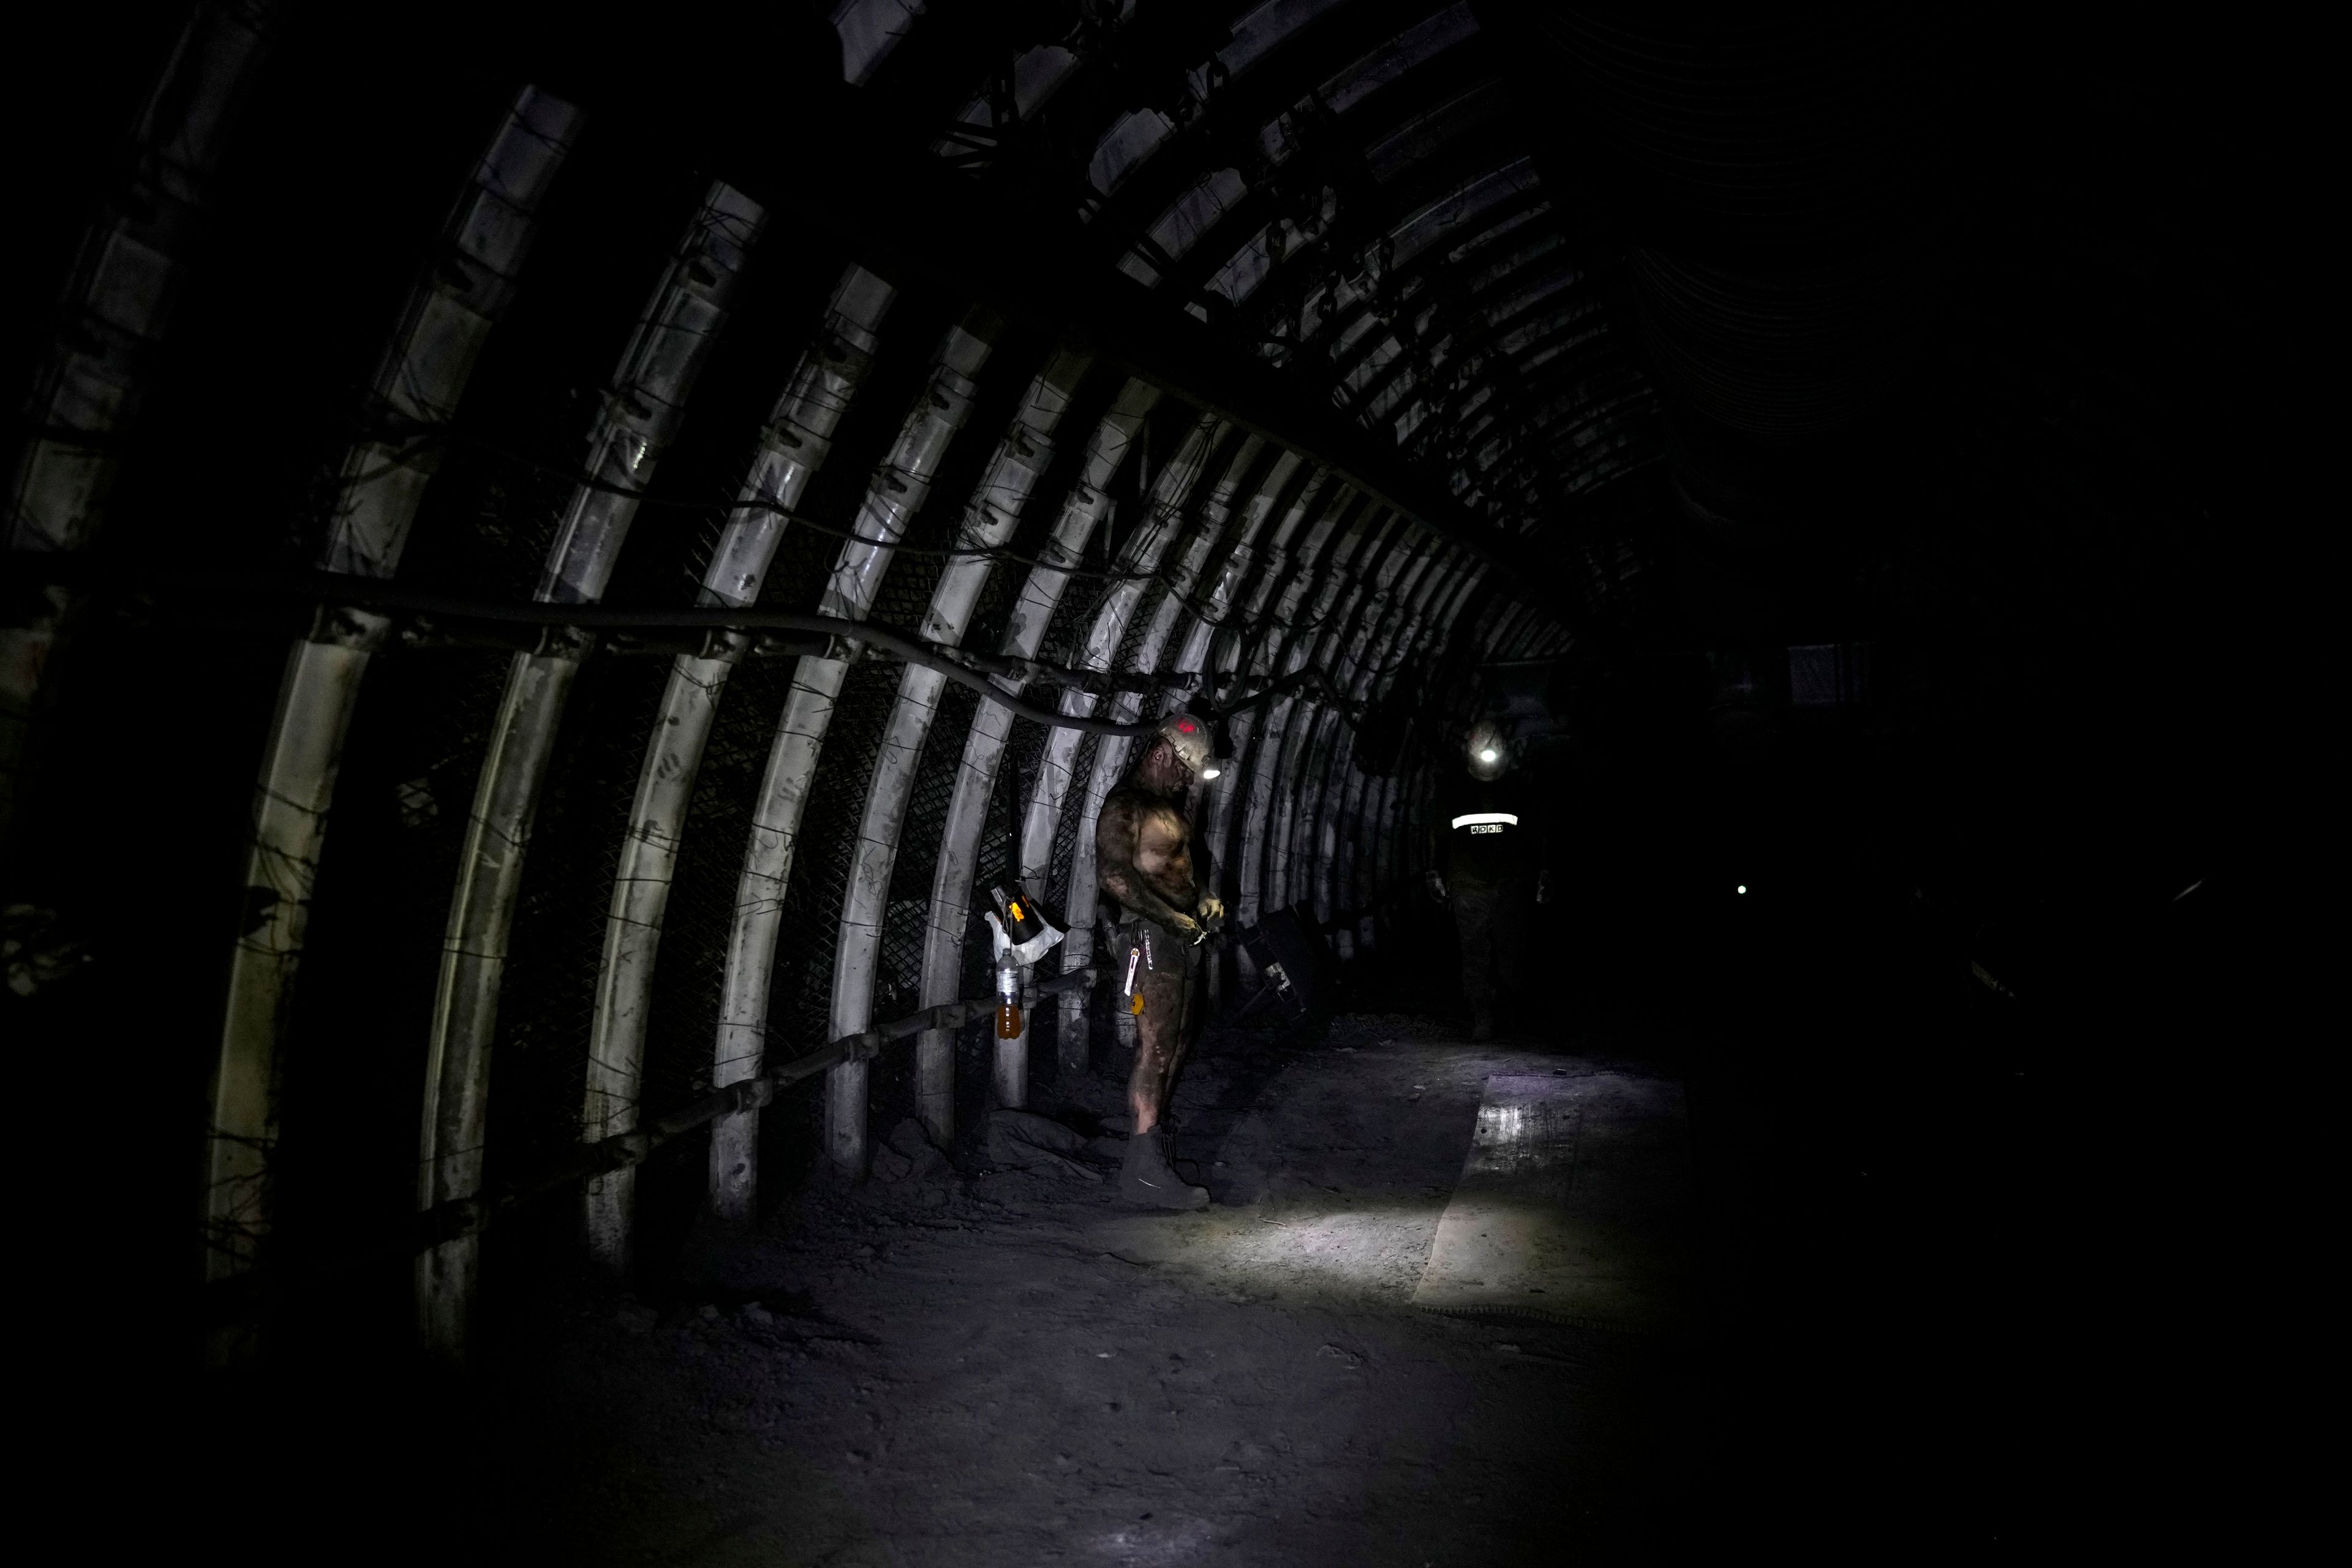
(1188, 736)
(1488, 751)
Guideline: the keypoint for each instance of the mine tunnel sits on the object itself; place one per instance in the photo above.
(611, 617)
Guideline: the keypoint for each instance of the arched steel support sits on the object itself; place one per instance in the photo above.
(989, 520)
(1284, 648)
(1343, 814)
(1368, 604)
(984, 752)
(649, 390)
(900, 486)
(426, 367)
(118, 305)
(793, 446)
(1334, 612)
(1244, 651)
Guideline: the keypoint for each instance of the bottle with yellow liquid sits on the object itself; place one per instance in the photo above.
(1008, 1003)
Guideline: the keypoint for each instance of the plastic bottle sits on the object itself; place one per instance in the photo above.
(1008, 1005)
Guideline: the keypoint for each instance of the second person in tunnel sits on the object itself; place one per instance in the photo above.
(1487, 863)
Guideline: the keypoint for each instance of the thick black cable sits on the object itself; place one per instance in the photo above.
(350, 590)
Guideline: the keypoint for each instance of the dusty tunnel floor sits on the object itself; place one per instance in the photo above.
(1008, 1367)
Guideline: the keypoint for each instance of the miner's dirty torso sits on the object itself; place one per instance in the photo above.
(1163, 843)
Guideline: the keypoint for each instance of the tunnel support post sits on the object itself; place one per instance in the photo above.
(793, 446)
(995, 511)
(657, 373)
(900, 484)
(984, 743)
(423, 376)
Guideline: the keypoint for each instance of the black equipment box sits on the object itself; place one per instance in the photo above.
(1290, 957)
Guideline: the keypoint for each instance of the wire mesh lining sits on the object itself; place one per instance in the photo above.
(354, 1060)
(898, 981)
(547, 998)
(1082, 766)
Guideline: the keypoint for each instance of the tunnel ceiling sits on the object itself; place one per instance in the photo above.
(1347, 193)
(1783, 326)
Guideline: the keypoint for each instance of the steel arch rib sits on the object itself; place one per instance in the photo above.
(1222, 628)
(1311, 645)
(1246, 660)
(984, 743)
(1284, 884)
(1314, 853)
(119, 302)
(422, 378)
(1429, 624)
(897, 491)
(1263, 854)
(657, 373)
(793, 446)
(1272, 655)
(989, 522)
(1375, 597)
(1413, 592)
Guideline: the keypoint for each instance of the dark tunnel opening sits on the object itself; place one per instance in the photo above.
(1835, 456)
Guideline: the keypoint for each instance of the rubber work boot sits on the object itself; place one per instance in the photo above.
(1149, 1181)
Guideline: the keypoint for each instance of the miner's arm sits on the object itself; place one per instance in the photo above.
(1115, 838)
(1205, 902)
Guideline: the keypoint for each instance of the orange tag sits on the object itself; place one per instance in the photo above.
(1136, 1007)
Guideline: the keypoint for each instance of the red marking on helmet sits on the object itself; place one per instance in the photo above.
(1184, 726)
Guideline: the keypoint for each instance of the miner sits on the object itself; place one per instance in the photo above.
(1487, 863)
(1146, 859)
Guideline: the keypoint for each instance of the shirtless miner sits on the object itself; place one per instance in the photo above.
(1144, 859)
